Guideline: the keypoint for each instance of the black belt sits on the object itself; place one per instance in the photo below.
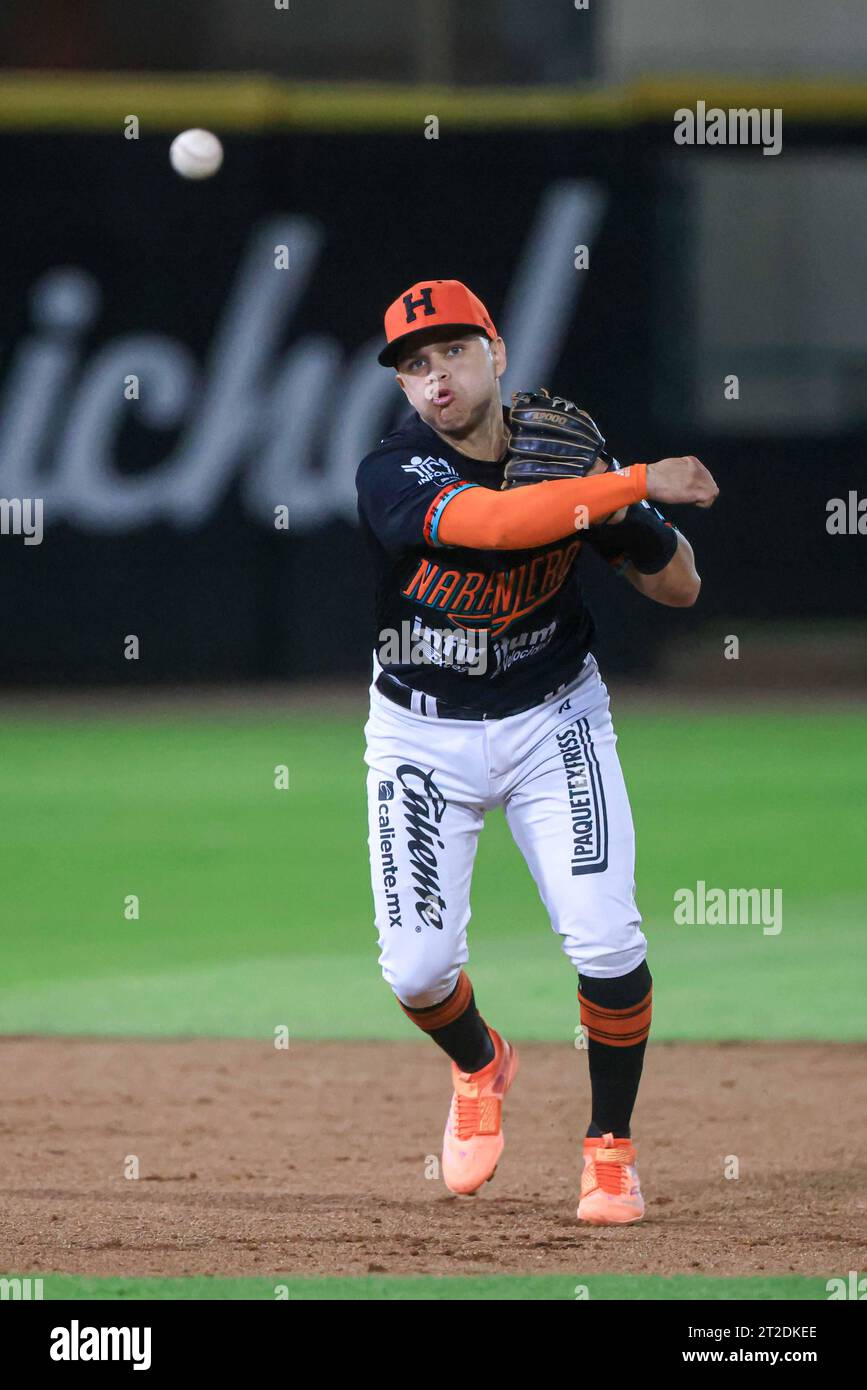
(401, 694)
(424, 704)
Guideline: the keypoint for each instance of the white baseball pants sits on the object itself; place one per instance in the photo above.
(556, 772)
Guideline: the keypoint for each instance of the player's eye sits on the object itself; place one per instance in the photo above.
(416, 362)
(456, 347)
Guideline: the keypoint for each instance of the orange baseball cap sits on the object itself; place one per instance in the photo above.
(432, 304)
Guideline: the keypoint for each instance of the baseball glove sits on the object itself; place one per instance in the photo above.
(550, 438)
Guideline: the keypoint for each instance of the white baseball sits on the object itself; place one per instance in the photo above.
(196, 154)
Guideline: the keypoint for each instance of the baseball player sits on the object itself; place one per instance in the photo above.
(485, 693)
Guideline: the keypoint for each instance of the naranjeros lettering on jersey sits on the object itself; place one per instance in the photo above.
(495, 599)
(528, 603)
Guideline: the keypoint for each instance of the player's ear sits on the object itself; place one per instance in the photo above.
(401, 383)
(499, 356)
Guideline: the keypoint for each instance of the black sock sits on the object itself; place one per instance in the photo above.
(467, 1040)
(615, 1071)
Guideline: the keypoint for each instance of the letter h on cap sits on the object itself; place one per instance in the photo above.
(423, 302)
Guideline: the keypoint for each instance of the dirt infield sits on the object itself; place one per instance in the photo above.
(313, 1160)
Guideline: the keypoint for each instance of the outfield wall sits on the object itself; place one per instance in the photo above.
(179, 360)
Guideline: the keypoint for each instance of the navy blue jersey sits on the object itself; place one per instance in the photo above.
(490, 630)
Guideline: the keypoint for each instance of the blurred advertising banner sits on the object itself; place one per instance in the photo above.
(188, 372)
(188, 376)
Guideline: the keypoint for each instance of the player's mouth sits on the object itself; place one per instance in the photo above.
(443, 398)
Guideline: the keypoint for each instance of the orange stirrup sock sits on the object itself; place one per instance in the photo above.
(448, 1011)
(616, 1013)
(617, 1027)
(457, 1027)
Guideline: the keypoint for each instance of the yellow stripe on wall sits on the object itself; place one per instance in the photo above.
(257, 102)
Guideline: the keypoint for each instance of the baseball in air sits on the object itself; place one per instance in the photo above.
(196, 154)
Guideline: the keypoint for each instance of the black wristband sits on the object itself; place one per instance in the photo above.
(646, 539)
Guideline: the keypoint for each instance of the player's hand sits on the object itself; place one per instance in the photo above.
(681, 480)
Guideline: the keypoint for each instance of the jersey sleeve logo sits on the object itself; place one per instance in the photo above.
(430, 470)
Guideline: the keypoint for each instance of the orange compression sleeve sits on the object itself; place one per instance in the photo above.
(522, 517)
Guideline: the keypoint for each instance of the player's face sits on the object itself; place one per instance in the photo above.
(452, 382)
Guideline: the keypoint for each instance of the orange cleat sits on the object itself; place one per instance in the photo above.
(610, 1190)
(473, 1139)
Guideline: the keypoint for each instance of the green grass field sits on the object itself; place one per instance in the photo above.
(593, 1288)
(255, 905)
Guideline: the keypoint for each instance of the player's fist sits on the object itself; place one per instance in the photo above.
(681, 480)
